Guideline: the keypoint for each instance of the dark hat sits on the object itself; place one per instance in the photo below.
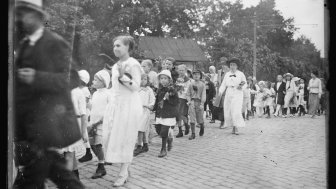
(222, 61)
(107, 59)
(233, 60)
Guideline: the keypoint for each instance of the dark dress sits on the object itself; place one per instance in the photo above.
(280, 93)
(44, 113)
(218, 110)
(210, 94)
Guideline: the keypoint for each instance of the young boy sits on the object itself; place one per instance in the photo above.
(168, 64)
(182, 83)
(100, 99)
(196, 96)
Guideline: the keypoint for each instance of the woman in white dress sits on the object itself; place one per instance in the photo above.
(232, 85)
(123, 113)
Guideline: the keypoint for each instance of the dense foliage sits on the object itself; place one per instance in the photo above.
(221, 28)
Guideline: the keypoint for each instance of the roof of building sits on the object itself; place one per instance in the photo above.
(179, 49)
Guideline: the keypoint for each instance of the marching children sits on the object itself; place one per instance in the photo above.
(148, 101)
(166, 110)
(196, 96)
(100, 99)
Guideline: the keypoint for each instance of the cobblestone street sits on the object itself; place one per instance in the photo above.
(269, 153)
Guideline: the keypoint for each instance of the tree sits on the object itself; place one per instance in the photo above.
(220, 27)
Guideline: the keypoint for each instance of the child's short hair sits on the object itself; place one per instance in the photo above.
(170, 59)
(148, 62)
(182, 66)
(146, 75)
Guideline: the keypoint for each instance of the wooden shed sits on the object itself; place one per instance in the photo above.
(184, 51)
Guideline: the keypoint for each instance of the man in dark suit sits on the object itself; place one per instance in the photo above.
(44, 115)
(280, 91)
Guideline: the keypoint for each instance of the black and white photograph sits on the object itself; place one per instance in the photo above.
(168, 94)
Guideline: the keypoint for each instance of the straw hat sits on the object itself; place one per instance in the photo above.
(288, 74)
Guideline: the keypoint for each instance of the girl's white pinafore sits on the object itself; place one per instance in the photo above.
(148, 99)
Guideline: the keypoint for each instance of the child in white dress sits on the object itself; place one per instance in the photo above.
(269, 101)
(100, 99)
(148, 101)
(259, 100)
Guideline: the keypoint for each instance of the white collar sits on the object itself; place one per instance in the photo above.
(35, 36)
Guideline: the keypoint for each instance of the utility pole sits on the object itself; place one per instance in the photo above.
(255, 46)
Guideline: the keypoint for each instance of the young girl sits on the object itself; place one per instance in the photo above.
(100, 99)
(85, 78)
(165, 110)
(196, 97)
(269, 99)
(293, 104)
(78, 100)
(259, 99)
(148, 101)
(290, 97)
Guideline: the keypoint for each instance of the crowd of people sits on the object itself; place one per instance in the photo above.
(113, 116)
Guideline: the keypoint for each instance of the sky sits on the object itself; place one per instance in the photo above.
(304, 12)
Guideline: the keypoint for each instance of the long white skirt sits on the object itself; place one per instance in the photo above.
(120, 127)
(233, 103)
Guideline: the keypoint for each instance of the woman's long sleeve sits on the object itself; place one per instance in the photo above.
(134, 83)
